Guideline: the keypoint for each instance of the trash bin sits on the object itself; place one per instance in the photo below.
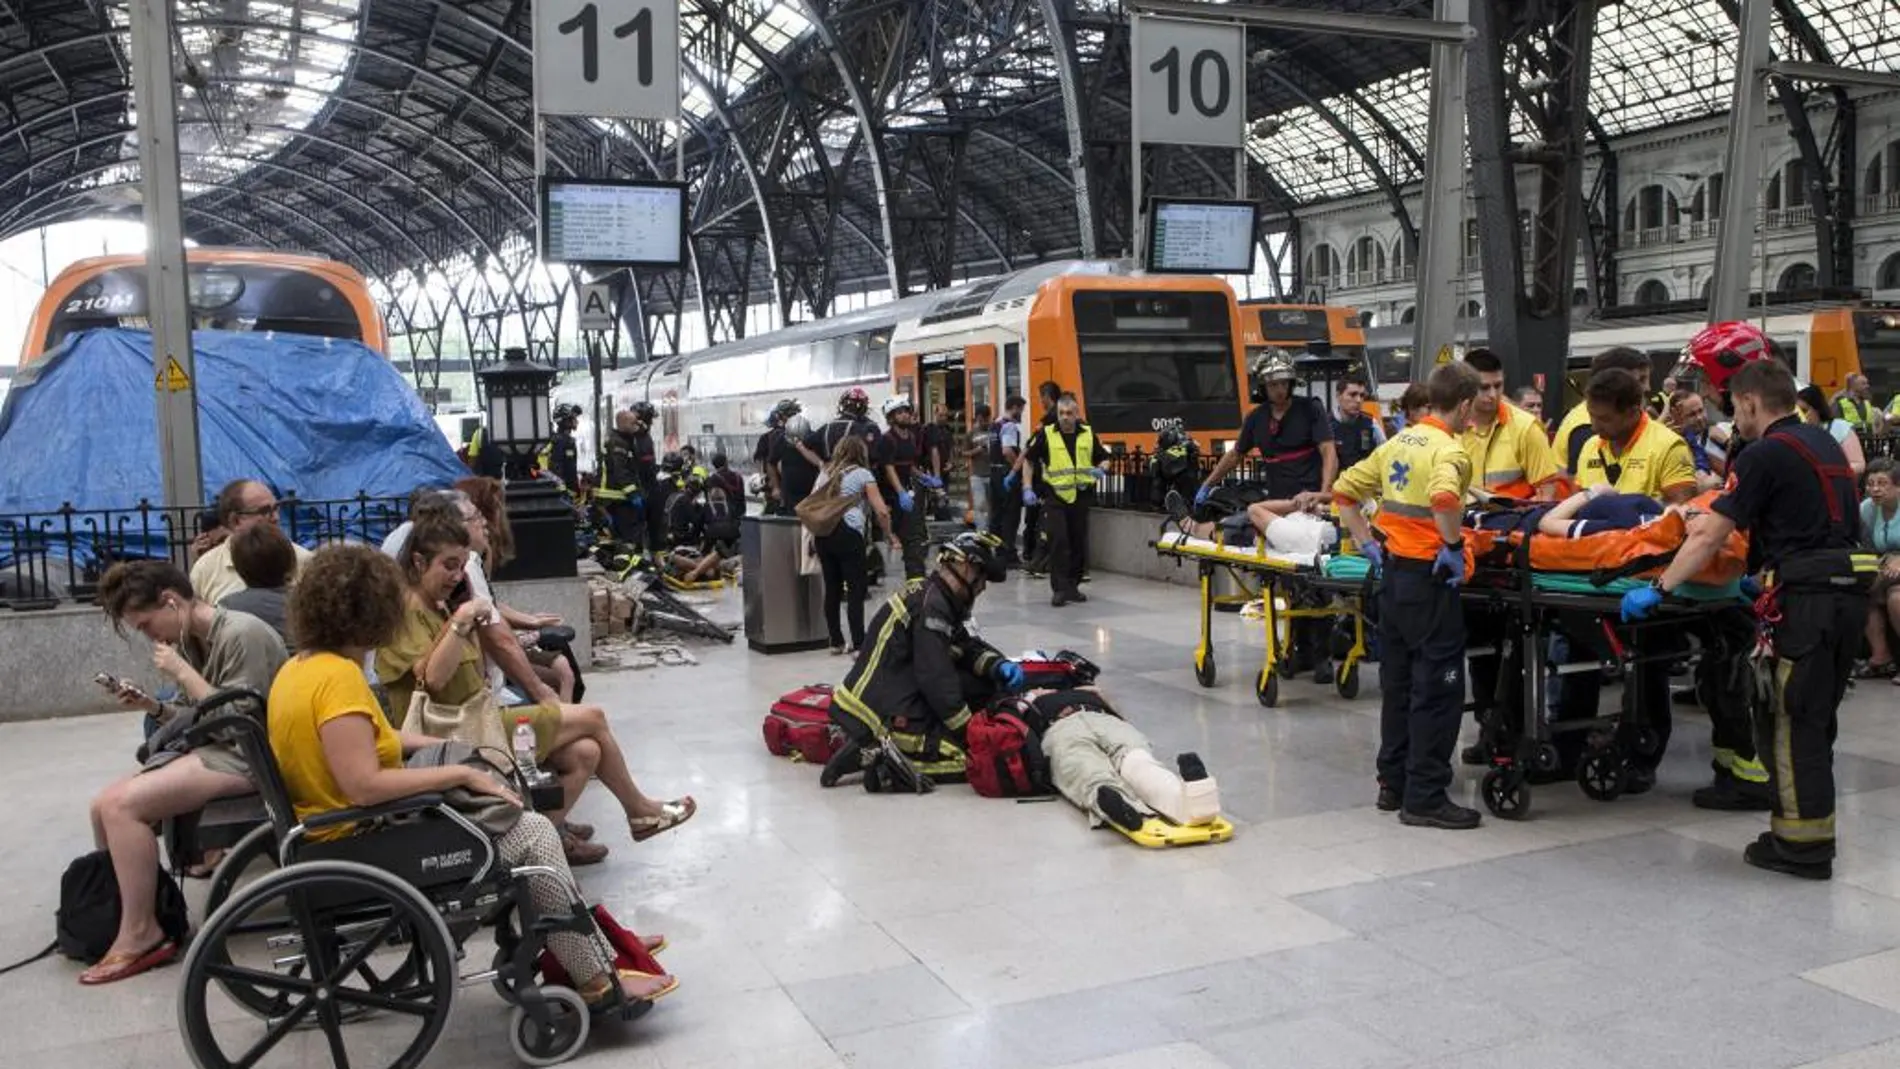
(784, 611)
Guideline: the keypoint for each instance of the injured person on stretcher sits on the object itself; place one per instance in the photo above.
(1104, 765)
(1586, 512)
(1289, 525)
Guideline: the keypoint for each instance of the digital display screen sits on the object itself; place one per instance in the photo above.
(611, 222)
(1201, 237)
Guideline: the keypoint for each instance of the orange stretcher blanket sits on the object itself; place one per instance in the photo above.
(1639, 552)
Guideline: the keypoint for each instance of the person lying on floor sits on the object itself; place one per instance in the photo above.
(1104, 765)
(1585, 512)
(1290, 525)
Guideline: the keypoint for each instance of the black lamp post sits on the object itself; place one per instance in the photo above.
(515, 395)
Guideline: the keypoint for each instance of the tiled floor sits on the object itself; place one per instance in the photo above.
(815, 929)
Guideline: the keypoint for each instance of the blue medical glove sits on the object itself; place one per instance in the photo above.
(1451, 561)
(930, 482)
(1010, 675)
(1099, 473)
(1639, 603)
(1751, 587)
(904, 500)
(1030, 499)
(1375, 556)
(1011, 480)
(1200, 496)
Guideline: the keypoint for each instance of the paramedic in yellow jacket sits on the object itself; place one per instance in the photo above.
(1419, 478)
(1627, 450)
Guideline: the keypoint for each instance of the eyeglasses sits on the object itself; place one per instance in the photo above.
(260, 510)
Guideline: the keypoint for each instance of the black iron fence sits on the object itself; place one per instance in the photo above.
(1135, 484)
(1880, 445)
(49, 557)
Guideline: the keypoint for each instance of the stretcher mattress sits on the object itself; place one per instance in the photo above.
(1181, 545)
(1354, 568)
(1156, 833)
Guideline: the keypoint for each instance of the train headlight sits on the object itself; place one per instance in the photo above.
(211, 290)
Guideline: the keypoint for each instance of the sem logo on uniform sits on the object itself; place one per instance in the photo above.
(1401, 474)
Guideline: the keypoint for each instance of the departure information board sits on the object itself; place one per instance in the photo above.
(1201, 237)
(611, 222)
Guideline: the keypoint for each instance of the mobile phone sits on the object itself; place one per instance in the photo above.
(117, 686)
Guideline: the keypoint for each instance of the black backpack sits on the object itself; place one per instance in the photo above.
(88, 917)
(722, 522)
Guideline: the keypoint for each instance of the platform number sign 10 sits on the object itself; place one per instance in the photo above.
(616, 59)
(1190, 86)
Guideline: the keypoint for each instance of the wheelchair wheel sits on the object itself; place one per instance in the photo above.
(560, 1038)
(1506, 794)
(1601, 775)
(341, 927)
(253, 858)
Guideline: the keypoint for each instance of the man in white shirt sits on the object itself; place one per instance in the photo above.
(240, 504)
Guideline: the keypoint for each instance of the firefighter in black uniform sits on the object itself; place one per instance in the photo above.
(561, 457)
(919, 672)
(620, 493)
(899, 459)
(1794, 494)
(647, 471)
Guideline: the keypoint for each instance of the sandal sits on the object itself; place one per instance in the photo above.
(672, 984)
(672, 815)
(1870, 670)
(653, 943)
(121, 966)
(597, 992)
(206, 866)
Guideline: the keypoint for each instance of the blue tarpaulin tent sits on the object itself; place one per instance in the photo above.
(322, 418)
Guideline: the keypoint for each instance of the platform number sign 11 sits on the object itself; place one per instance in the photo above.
(607, 59)
(1190, 82)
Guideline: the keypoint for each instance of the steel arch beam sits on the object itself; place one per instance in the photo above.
(867, 133)
(334, 244)
(12, 214)
(497, 180)
(752, 177)
(1359, 148)
(1062, 44)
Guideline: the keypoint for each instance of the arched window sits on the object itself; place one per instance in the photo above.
(1321, 265)
(1889, 276)
(1650, 213)
(1368, 320)
(1773, 200)
(1797, 277)
(1708, 286)
(1409, 316)
(1365, 262)
(1654, 291)
(1579, 297)
(1472, 310)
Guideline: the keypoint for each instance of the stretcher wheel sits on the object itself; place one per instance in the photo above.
(556, 1041)
(1602, 776)
(1545, 758)
(1347, 682)
(1506, 794)
(1645, 742)
(1268, 692)
(1204, 670)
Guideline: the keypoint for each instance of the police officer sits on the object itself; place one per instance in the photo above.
(898, 458)
(1355, 433)
(920, 669)
(1796, 497)
(1419, 478)
(1006, 449)
(560, 456)
(1068, 459)
(621, 491)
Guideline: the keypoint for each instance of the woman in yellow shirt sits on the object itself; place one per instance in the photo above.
(335, 750)
(438, 650)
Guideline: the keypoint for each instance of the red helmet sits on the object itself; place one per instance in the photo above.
(1720, 350)
(854, 402)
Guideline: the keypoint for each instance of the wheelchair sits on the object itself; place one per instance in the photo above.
(367, 931)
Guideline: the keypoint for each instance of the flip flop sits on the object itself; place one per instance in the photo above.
(206, 866)
(121, 966)
(672, 815)
(658, 995)
(653, 943)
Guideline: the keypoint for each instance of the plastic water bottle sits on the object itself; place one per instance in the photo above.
(524, 748)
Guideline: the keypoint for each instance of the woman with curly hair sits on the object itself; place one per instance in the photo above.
(336, 750)
(439, 650)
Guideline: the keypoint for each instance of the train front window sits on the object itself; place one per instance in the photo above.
(1150, 357)
(240, 297)
(1877, 337)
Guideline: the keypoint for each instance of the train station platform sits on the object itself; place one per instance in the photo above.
(814, 929)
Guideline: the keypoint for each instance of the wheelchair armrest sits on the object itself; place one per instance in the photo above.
(555, 638)
(415, 803)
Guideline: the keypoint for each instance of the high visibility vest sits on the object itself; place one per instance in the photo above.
(1416, 473)
(1857, 412)
(1065, 475)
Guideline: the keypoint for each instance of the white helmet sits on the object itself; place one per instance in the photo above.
(896, 402)
(755, 484)
(797, 427)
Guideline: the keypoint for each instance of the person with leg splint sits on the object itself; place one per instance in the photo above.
(1107, 767)
(906, 701)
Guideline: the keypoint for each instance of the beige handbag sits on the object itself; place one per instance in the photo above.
(476, 721)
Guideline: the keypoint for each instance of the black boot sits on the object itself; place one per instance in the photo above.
(1729, 793)
(1193, 769)
(1390, 800)
(847, 761)
(1118, 809)
(1763, 854)
(1447, 814)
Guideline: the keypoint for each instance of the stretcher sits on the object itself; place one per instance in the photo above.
(1537, 605)
(1289, 587)
(1157, 833)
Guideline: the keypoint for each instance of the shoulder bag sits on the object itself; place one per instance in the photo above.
(496, 816)
(824, 508)
(476, 721)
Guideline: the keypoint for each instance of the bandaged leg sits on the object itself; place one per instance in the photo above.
(1162, 788)
(1082, 760)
